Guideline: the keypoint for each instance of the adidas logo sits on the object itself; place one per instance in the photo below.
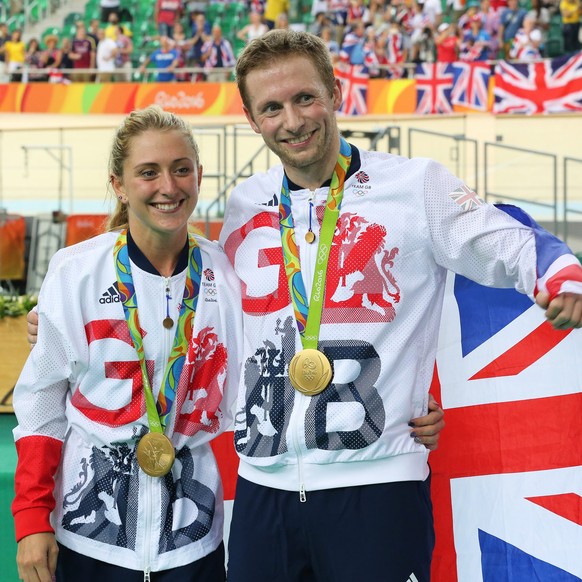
(273, 202)
(412, 578)
(112, 295)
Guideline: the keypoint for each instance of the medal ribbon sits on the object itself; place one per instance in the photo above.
(308, 315)
(158, 414)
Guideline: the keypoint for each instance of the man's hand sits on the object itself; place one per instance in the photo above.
(32, 327)
(426, 429)
(36, 557)
(564, 311)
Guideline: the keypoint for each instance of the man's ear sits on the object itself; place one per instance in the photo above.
(337, 95)
(251, 121)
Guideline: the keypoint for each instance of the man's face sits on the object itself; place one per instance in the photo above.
(293, 111)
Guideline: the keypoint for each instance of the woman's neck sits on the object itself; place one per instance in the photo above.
(162, 252)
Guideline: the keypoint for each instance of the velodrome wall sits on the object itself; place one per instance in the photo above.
(50, 161)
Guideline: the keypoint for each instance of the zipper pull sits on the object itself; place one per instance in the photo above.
(302, 496)
(146, 575)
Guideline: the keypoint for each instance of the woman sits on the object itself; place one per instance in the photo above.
(135, 480)
(15, 55)
(34, 61)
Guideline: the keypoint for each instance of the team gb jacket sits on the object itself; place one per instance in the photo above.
(80, 408)
(403, 223)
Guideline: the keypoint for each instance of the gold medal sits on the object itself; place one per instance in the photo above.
(309, 236)
(310, 372)
(168, 322)
(155, 454)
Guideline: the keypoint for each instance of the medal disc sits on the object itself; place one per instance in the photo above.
(310, 236)
(310, 372)
(168, 322)
(155, 454)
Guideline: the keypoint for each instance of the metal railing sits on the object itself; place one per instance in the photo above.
(459, 160)
(521, 168)
(568, 161)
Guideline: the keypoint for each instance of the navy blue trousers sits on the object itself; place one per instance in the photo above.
(74, 567)
(371, 533)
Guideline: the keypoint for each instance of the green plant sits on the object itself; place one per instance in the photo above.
(15, 305)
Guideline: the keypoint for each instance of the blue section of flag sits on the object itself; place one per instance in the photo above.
(548, 247)
(502, 562)
(478, 322)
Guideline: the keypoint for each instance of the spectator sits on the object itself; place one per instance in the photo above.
(272, 10)
(542, 16)
(570, 13)
(464, 21)
(329, 40)
(107, 51)
(419, 23)
(33, 61)
(52, 57)
(320, 22)
(92, 30)
(447, 43)
(528, 48)
(83, 54)
(112, 25)
(256, 6)
(201, 33)
(338, 11)
(182, 45)
(396, 50)
(165, 59)
(433, 10)
(490, 19)
(15, 54)
(475, 45)
(123, 57)
(3, 38)
(282, 21)
(254, 29)
(510, 22)
(217, 54)
(107, 7)
(376, 57)
(67, 61)
(358, 12)
(352, 48)
(167, 13)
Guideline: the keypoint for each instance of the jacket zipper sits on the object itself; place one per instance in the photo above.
(312, 249)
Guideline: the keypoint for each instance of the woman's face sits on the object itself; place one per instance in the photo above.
(160, 183)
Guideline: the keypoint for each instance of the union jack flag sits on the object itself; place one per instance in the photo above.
(354, 81)
(466, 198)
(549, 86)
(507, 495)
(434, 82)
(471, 85)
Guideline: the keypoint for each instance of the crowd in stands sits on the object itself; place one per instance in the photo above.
(194, 41)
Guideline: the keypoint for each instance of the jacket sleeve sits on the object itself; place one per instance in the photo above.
(39, 402)
(496, 247)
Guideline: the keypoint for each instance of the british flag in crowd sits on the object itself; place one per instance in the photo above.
(354, 81)
(471, 85)
(549, 86)
(507, 477)
(434, 82)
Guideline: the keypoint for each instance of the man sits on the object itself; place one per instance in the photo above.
(83, 54)
(217, 55)
(165, 59)
(341, 317)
